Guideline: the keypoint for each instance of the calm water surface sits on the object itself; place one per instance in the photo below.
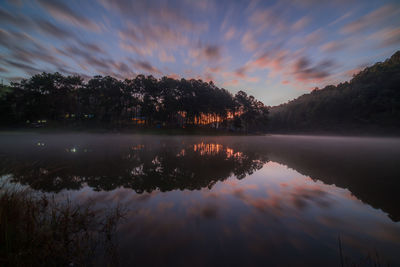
(211, 201)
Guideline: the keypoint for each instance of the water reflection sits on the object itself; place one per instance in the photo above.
(226, 200)
(145, 166)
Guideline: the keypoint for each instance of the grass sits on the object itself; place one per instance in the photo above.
(372, 259)
(36, 230)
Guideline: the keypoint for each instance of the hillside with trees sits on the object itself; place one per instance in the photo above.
(368, 103)
(143, 101)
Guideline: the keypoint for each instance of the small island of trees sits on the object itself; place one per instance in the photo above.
(143, 101)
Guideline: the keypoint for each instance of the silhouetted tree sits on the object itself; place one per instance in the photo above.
(142, 100)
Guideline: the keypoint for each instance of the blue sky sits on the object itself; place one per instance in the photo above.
(274, 50)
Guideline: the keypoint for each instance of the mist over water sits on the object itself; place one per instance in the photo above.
(232, 200)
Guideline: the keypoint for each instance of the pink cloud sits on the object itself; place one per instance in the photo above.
(64, 13)
(249, 42)
(269, 18)
(332, 46)
(305, 71)
(144, 66)
(233, 82)
(209, 52)
(230, 34)
(340, 19)
(387, 37)
(272, 60)
(372, 19)
(174, 76)
(147, 38)
(301, 23)
(164, 57)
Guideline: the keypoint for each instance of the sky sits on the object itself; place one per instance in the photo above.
(273, 50)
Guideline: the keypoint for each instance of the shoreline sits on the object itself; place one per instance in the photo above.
(142, 131)
(187, 132)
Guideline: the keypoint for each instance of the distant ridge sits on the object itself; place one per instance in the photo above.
(369, 103)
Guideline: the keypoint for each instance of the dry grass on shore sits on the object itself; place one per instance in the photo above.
(36, 230)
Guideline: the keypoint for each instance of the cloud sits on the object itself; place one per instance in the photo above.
(230, 34)
(3, 70)
(240, 74)
(372, 19)
(305, 71)
(332, 46)
(16, 2)
(84, 56)
(274, 60)
(208, 52)
(29, 69)
(50, 28)
(173, 76)
(212, 52)
(30, 55)
(24, 23)
(8, 17)
(144, 39)
(340, 19)
(249, 42)
(6, 39)
(91, 47)
(313, 38)
(144, 66)
(233, 82)
(387, 37)
(152, 12)
(271, 19)
(285, 82)
(164, 57)
(301, 23)
(123, 71)
(64, 13)
(140, 50)
(26, 52)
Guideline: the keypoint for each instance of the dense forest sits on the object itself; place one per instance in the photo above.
(143, 101)
(369, 103)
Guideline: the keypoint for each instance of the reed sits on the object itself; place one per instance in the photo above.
(37, 230)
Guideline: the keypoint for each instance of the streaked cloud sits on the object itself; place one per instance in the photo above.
(277, 49)
(332, 46)
(62, 12)
(230, 34)
(304, 70)
(208, 52)
(372, 19)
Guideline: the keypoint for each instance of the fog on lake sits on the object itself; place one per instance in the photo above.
(225, 200)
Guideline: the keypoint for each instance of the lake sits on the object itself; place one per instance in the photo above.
(226, 200)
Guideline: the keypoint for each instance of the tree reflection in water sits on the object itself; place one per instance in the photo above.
(144, 166)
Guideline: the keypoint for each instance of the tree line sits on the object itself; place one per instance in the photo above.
(141, 101)
(368, 103)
